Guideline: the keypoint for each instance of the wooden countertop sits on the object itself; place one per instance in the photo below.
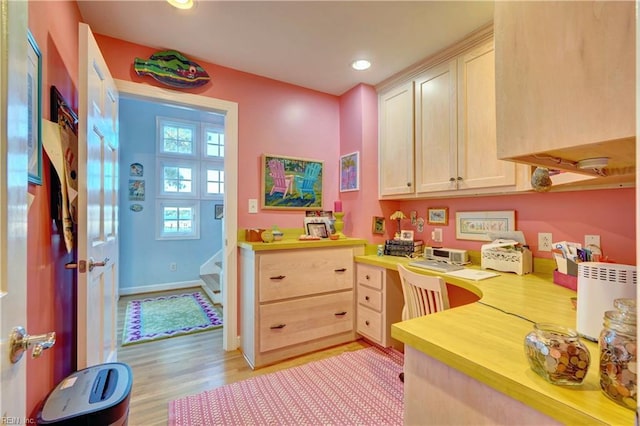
(291, 243)
(485, 340)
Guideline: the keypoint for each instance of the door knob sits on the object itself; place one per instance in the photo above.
(20, 341)
(93, 263)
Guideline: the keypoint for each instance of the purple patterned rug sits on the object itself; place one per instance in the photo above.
(167, 316)
(354, 388)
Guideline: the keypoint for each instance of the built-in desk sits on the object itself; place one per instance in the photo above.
(466, 365)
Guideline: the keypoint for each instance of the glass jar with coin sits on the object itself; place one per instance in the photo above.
(557, 354)
(618, 354)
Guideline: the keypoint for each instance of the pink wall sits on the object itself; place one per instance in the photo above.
(51, 288)
(274, 118)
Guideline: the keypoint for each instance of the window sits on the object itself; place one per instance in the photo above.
(177, 137)
(189, 167)
(214, 140)
(178, 219)
(177, 178)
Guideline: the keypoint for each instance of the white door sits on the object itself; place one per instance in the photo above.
(97, 206)
(13, 204)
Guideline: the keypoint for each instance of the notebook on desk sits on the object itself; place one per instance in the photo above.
(435, 265)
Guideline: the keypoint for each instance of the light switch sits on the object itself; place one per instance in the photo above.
(253, 205)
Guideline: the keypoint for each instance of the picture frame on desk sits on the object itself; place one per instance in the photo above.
(317, 230)
(406, 235)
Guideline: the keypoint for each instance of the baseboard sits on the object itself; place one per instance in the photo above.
(160, 287)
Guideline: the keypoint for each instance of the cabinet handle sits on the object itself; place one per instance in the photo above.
(409, 184)
(459, 177)
(367, 277)
(340, 270)
(278, 277)
(275, 327)
(340, 314)
(366, 323)
(452, 179)
(366, 298)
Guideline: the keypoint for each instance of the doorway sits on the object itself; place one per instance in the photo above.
(211, 107)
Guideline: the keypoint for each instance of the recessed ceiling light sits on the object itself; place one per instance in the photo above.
(360, 64)
(181, 4)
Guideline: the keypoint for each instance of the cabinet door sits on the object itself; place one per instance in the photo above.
(478, 164)
(566, 76)
(395, 147)
(436, 149)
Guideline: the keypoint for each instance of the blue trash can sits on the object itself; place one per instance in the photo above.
(97, 395)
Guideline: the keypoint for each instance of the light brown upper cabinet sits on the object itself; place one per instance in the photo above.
(565, 80)
(438, 129)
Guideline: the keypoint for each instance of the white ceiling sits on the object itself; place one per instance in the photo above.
(306, 43)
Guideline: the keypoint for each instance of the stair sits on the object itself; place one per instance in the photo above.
(211, 275)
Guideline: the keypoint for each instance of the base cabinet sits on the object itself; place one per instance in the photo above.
(380, 302)
(295, 301)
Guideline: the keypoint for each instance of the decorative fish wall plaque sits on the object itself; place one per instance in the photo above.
(173, 69)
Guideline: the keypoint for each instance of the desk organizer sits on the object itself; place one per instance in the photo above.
(506, 257)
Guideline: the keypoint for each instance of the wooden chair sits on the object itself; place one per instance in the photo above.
(281, 183)
(423, 295)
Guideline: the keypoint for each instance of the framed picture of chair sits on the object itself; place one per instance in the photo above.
(291, 183)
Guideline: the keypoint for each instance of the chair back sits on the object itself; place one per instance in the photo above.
(276, 170)
(423, 294)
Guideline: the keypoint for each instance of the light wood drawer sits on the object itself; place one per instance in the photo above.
(370, 276)
(370, 324)
(292, 273)
(370, 298)
(296, 321)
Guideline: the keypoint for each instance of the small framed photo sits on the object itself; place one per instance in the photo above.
(377, 225)
(317, 230)
(438, 216)
(406, 235)
(219, 211)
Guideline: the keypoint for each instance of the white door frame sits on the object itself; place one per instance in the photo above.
(229, 109)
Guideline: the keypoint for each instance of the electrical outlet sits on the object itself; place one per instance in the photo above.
(173, 266)
(544, 241)
(591, 240)
(253, 205)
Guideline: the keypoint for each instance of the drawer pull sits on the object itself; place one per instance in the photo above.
(276, 327)
(367, 277)
(340, 314)
(278, 277)
(340, 270)
(366, 298)
(366, 322)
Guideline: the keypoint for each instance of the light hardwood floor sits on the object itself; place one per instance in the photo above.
(168, 369)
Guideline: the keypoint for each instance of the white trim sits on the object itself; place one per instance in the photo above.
(160, 287)
(230, 111)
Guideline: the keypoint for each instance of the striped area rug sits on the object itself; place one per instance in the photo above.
(354, 388)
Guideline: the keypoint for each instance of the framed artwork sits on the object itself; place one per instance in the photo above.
(377, 225)
(219, 211)
(406, 235)
(477, 225)
(136, 169)
(34, 110)
(317, 230)
(350, 172)
(438, 216)
(291, 183)
(136, 190)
